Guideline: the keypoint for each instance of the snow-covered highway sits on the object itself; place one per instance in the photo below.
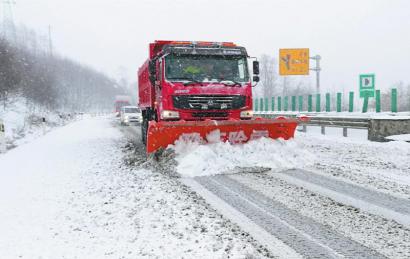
(306, 236)
(86, 190)
(69, 194)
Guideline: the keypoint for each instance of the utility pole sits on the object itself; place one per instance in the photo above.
(50, 41)
(9, 28)
(317, 58)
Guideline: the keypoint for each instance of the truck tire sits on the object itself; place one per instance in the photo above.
(147, 116)
(144, 128)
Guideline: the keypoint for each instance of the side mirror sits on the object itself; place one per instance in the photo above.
(255, 67)
(255, 79)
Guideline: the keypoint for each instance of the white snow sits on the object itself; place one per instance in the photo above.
(274, 244)
(68, 194)
(381, 166)
(346, 199)
(335, 132)
(402, 137)
(38, 183)
(195, 159)
(22, 121)
(374, 165)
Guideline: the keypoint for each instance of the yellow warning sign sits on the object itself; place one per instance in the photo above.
(293, 62)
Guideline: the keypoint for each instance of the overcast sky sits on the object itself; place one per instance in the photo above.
(353, 37)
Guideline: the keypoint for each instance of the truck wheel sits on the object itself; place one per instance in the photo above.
(147, 116)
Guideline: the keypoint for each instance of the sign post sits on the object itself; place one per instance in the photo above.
(296, 62)
(367, 86)
(317, 58)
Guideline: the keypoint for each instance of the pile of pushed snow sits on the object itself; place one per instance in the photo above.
(195, 159)
(402, 137)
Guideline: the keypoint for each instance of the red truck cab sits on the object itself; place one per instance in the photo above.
(194, 81)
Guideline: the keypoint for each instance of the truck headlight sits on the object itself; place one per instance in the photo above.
(247, 114)
(165, 114)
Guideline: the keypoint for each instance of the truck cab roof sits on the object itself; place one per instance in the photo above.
(196, 48)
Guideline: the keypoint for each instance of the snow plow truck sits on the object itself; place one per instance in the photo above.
(120, 101)
(201, 91)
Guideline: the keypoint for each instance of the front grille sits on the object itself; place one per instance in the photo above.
(210, 114)
(209, 102)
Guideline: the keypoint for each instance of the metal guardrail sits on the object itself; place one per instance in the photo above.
(329, 121)
(323, 122)
(378, 128)
(355, 123)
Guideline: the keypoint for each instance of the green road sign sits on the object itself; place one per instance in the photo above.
(367, 82)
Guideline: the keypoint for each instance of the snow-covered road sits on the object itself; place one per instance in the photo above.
(70, 194)
(306, 236)
(307, 219)
(87, 190)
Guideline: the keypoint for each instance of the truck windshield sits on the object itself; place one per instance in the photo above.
(206, 68)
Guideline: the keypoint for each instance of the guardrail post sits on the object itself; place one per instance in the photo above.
(310, 101)
(339, 102)
(378, 108)
(261, 104)
(300, 103)
(293, 103)
(266, 104)
(327, 102)
(273, 104)
(344, 132)
(394, 100)
(351, 97)
(317, 102)
(285, 104)
(279, 103)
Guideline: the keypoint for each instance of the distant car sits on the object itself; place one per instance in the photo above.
(130, 114)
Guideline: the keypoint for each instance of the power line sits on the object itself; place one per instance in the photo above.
(50, 41)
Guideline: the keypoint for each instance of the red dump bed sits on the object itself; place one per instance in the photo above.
(145, 90)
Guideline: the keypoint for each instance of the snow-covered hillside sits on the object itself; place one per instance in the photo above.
(23, 121)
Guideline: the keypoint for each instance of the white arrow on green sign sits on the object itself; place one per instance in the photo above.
(367, 83)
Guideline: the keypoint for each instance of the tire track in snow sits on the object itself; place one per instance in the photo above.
(368, 200)
(304, 235)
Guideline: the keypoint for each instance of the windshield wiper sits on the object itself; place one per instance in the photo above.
(230, 83)
(189, 79)
(192, 82)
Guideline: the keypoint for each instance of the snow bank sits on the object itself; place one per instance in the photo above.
(23, 121)
(195, 159)
(402, 137)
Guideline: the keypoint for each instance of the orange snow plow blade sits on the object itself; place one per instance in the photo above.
(162, 134)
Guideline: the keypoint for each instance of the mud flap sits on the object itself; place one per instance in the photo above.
(161, 134)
